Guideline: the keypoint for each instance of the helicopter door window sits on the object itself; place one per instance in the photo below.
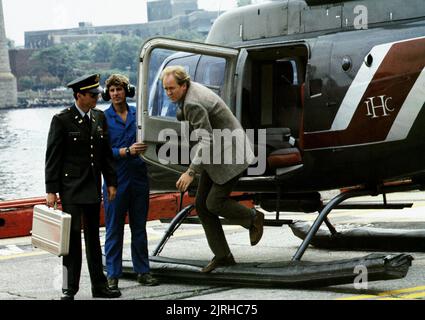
(159, 103)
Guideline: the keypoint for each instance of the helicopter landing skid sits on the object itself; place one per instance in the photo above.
(309, 237)
(284, 274)
(323, 216)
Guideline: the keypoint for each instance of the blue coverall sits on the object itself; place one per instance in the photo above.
(132, 197)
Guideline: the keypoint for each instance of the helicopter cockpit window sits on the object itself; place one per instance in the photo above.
(204, 69)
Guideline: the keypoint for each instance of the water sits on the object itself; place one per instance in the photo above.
(23, 140)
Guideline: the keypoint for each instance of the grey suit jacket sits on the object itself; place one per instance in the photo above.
(223, 150)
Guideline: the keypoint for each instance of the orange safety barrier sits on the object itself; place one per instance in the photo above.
(16, 215)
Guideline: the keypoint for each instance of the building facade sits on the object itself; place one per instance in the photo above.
(183, 7)
(166, 9)
(198, 20)
(159, 10)
(20, 63)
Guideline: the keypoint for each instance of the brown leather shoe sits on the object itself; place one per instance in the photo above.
(219, 262)
(257, 228)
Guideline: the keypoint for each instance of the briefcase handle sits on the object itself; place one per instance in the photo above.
(55, 207)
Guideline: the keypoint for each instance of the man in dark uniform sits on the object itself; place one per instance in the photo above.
(78, 152)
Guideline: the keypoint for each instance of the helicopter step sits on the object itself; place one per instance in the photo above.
(281, 274)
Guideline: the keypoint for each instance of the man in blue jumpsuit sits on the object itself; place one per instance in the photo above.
(133, 187)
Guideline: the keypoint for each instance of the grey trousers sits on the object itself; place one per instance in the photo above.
(212, 201)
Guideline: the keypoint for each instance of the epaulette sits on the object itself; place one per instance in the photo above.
(97, 110)
(64, 112)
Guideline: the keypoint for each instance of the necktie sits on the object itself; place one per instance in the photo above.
(87, 121)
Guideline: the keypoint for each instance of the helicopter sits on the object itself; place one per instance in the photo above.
(333, 92)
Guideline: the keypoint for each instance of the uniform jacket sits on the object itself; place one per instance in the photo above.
(207, 111)
(76, 157)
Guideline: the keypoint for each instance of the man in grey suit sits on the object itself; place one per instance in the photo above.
(207, 112)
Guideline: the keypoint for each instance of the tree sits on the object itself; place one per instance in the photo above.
(50, 82)
(83, 51)
(25, 83)
(103, 49)
(188, 35)
(107, 54)
(57, 61)
(125, 53)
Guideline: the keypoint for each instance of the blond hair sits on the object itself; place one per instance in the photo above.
(117, 80)
(179, 73)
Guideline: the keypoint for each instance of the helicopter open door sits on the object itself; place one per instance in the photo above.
(213, 66)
